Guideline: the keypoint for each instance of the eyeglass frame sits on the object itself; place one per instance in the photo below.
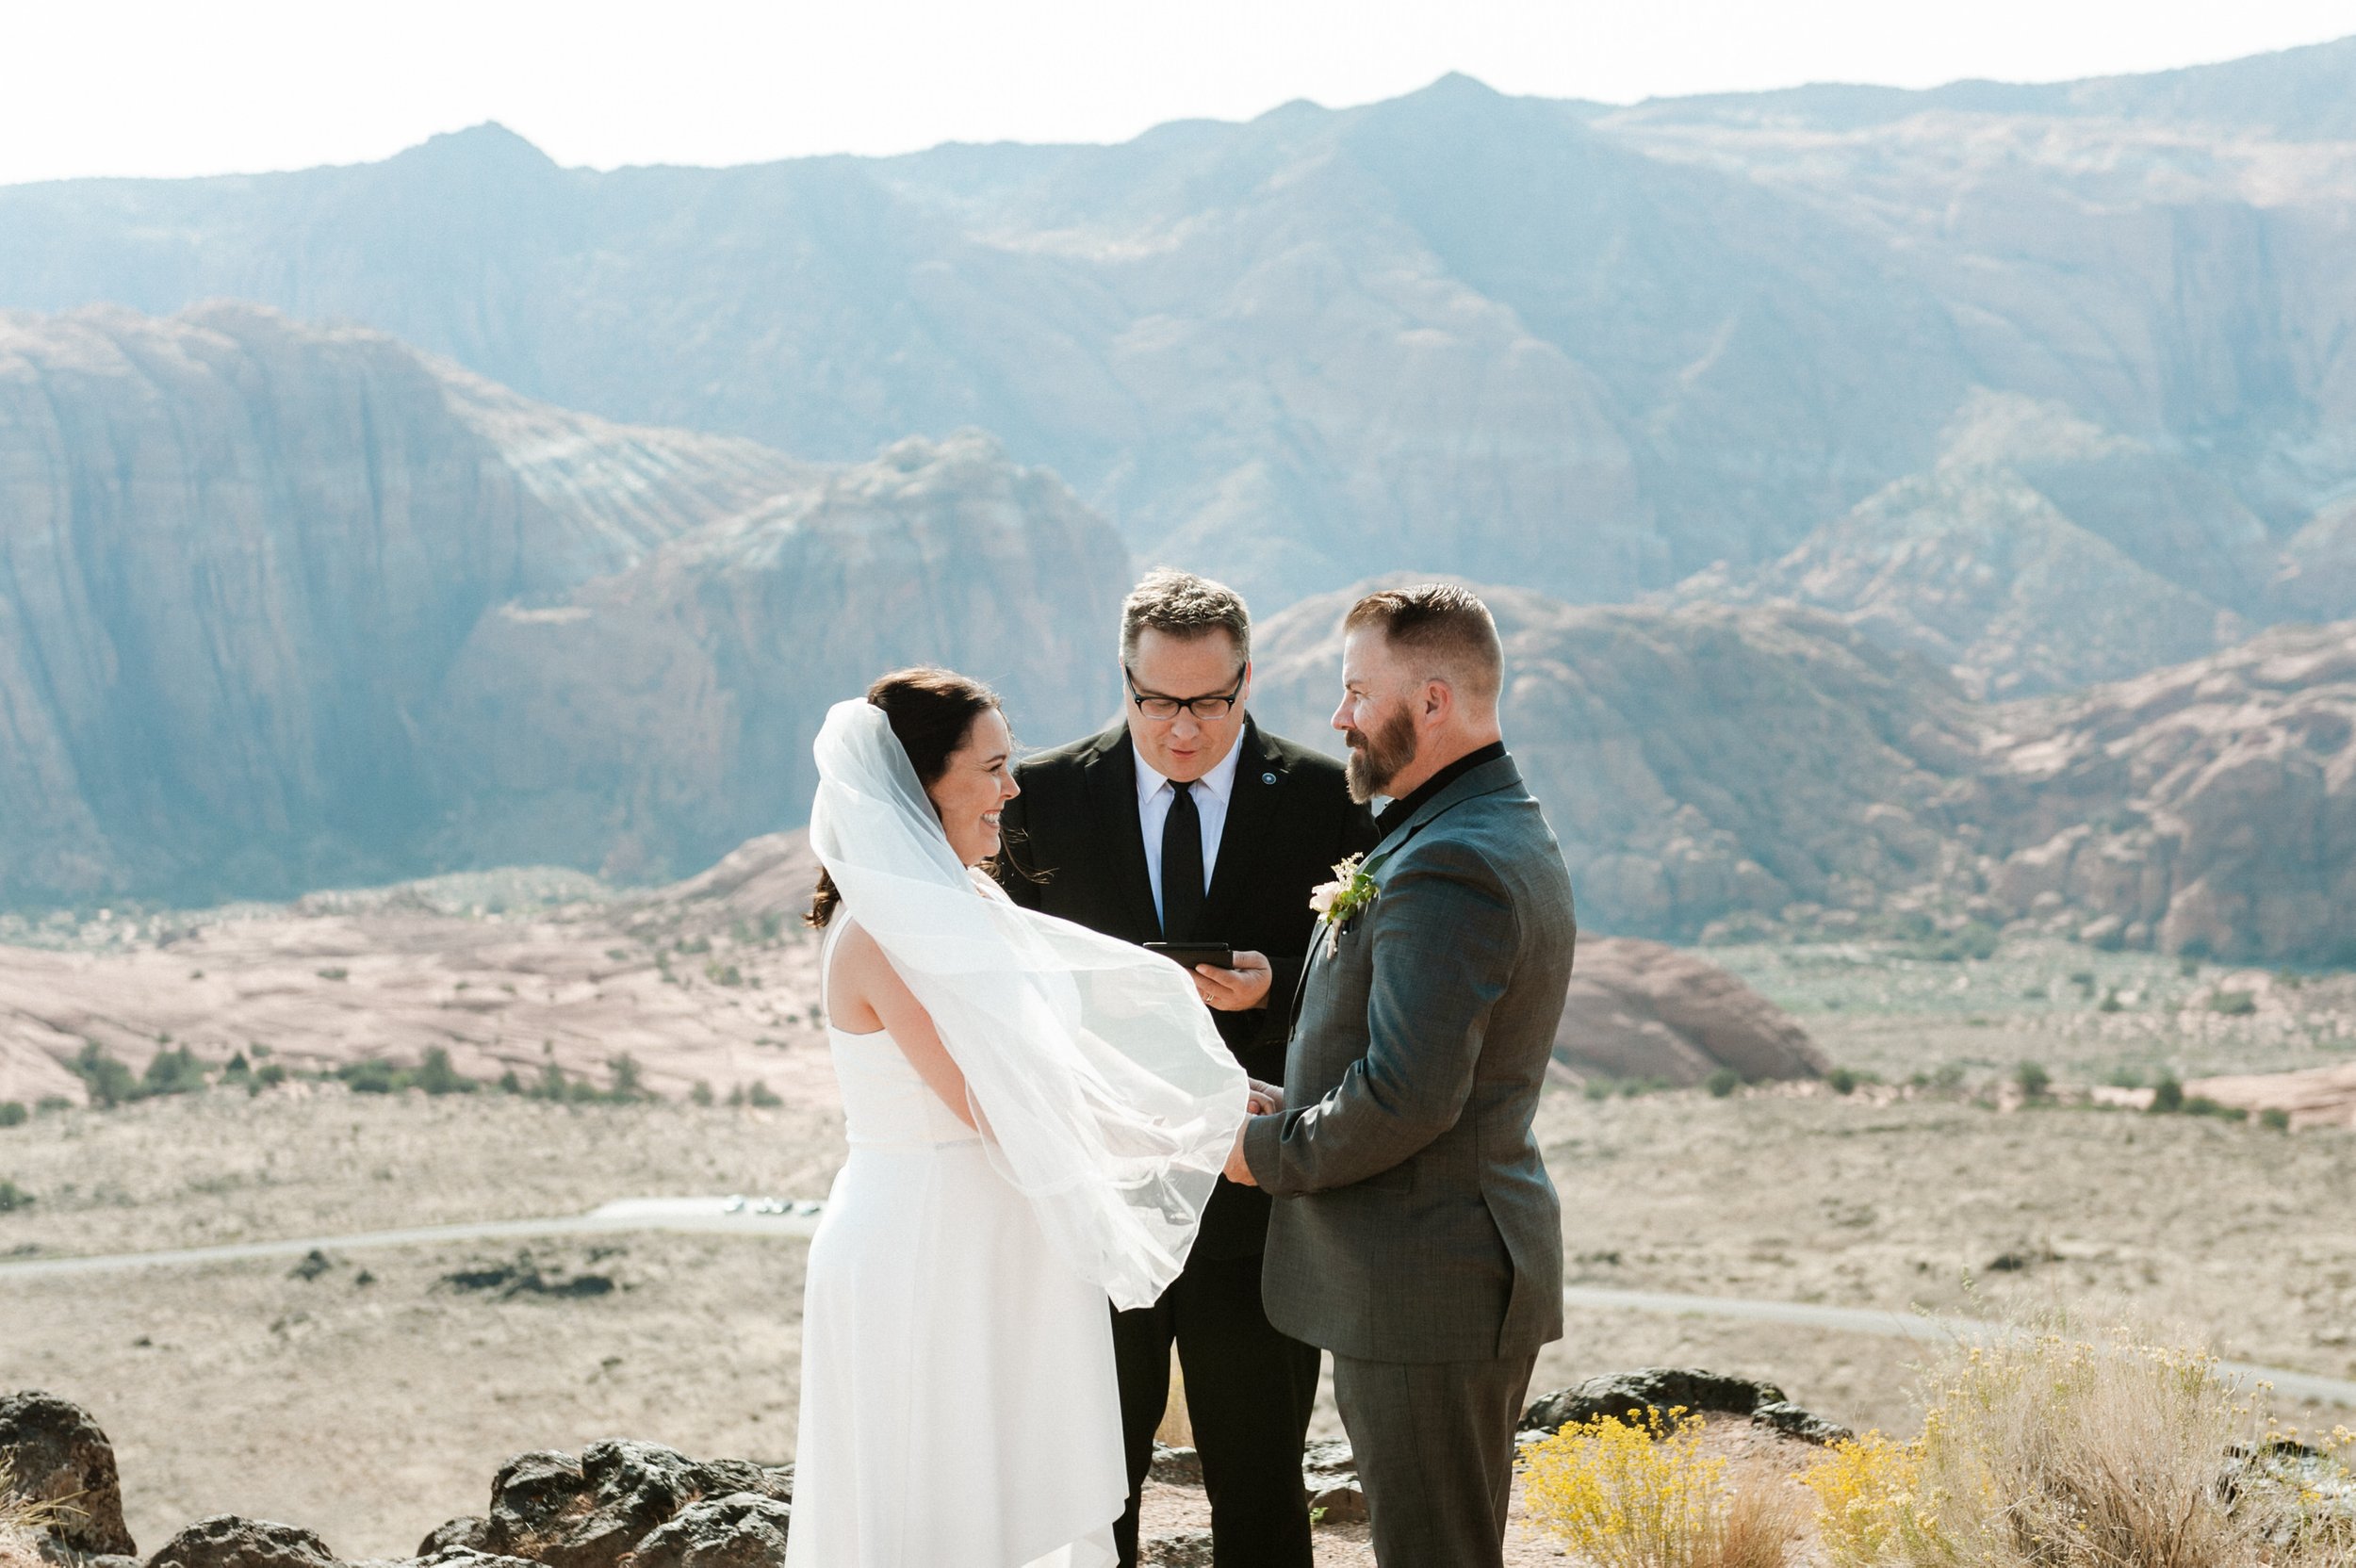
(1232, 697)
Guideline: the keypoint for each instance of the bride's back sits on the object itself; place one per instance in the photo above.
(886, 1101)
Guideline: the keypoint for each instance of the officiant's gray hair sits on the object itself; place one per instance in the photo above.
(1182, 605)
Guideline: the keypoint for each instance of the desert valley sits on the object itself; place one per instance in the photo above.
(1921, 526)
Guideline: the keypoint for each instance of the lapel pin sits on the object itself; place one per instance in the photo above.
(1267, 779)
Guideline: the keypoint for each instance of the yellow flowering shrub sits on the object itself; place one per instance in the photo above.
(1870, 1506)
(1640, 1493)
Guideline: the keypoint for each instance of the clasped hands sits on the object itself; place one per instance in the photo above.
(1262, 1100)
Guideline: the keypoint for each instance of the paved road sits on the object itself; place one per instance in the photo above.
(777, 1217)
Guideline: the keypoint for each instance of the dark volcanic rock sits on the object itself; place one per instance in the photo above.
(1642, 1010)
(1623, 1396)
(742, 1530)
(226, 1540)
(594, 1512)
(53, 1451)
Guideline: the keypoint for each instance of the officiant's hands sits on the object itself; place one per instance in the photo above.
(1237, 990)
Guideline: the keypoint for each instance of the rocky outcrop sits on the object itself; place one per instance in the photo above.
(51, 1451)
(1976, 565)
(1630, 1396)
(226, 1540)
(666, 711)
(286, 607)
(1642, 1012)
(2209, 809)
(1698, 761)
(619, 1497)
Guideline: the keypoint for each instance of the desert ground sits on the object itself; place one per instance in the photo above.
(371, 1394)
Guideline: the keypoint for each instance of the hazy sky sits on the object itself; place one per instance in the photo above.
(167, 87)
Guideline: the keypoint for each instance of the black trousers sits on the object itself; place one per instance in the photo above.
(1250, 1393)
(1434, 1448)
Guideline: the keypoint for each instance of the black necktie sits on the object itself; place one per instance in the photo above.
(1182, 866)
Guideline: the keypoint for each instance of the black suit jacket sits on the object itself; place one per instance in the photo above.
(1074, 831)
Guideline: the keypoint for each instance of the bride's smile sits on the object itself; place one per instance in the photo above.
(975, 788)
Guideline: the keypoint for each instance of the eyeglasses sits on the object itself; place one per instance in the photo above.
(1209, 710)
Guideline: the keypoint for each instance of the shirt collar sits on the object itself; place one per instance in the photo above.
(1399, 810)
(1219, 781)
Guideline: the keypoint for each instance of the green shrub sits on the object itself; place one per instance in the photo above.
(1976, 939)
(335, 974)
(627, 1081)
(552, 1083)
(1842, 1080)
(173, 1071)
(374, 1075)
(701, 1094)
(2200, 1104)
(268, 1076)
(2275, 1120)
(110, 1082)
(2233, 1004)
(2036, 1082)
(2188, 967)
(13, 1198)
(510, 1084)
(49, 1104)
(757, 1094)
(13, 1114)
(2168, 1095)
(2110, 1003)
(436, 1076)
(1724, 1082)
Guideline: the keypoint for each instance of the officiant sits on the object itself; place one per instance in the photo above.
(1187, 822)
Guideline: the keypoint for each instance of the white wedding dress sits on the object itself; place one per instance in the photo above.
(959, 1403)
(959, 1406)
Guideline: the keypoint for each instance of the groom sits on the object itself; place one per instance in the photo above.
(1186, 822)
(1415, 1233)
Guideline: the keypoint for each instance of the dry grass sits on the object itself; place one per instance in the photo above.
(24, 1521)
(2064, 1446)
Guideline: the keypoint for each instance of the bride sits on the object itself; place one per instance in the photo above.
(1036, 1115)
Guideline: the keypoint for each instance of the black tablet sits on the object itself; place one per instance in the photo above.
(1188, 955)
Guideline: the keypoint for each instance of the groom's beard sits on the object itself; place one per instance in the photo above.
(1376, 760)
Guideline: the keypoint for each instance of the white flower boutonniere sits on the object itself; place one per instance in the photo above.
(1340, 901)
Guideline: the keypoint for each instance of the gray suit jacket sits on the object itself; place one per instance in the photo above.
(1414, 1220)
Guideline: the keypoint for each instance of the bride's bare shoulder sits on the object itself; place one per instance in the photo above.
(861, 967)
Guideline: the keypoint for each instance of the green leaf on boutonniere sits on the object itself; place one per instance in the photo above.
(1340, 901)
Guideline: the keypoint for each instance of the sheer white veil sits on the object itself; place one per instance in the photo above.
(1108, 1097)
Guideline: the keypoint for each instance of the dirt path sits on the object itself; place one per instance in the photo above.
(775, 1217)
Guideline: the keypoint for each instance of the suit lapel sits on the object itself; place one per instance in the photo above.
(1243, 842)
(1112, 775)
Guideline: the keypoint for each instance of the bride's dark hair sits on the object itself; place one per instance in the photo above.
(931, 711)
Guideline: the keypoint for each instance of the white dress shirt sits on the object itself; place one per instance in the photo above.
(1211, 793)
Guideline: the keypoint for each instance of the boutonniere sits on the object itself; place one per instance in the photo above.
(1339, 902)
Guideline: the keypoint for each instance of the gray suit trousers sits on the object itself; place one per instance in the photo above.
(1434, 1446)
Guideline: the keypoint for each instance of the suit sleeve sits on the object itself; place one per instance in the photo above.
(1445, 938)
(1357, 838)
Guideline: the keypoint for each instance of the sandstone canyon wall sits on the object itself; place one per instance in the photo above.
(1702, 765)
(282, 606)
